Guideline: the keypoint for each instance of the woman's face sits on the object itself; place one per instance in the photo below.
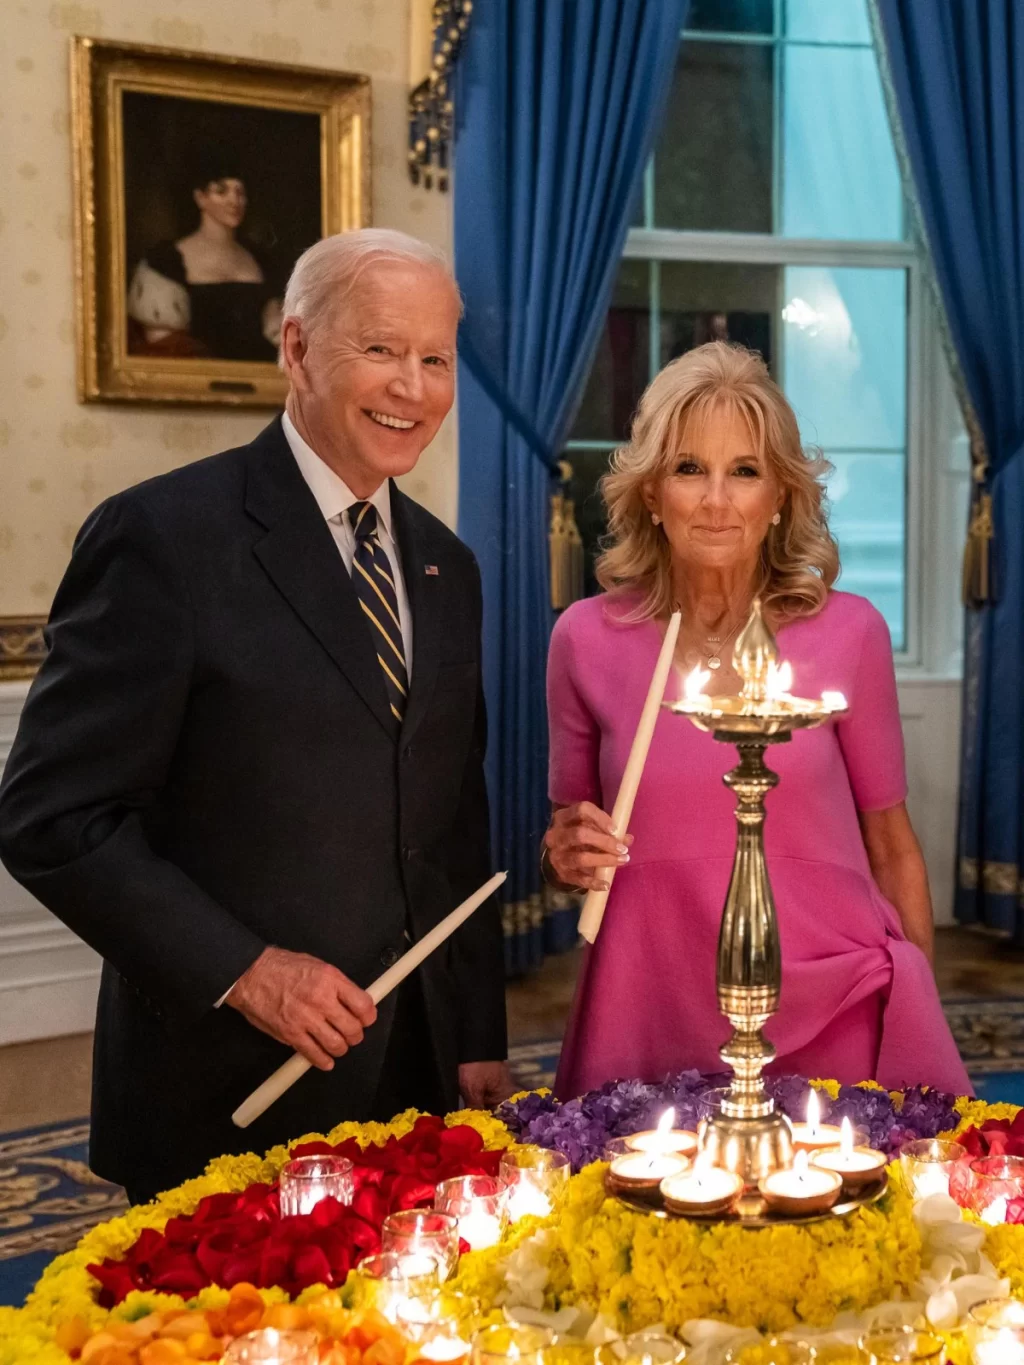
(224, 201)
(718, 501)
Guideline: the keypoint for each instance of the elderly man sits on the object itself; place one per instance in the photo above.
(249, 772)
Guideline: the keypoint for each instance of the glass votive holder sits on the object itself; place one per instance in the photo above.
(770, 1351)
(418, 1316)
(641, 1348)
(268, 1346)
(305, 1180)
(506, 1342)
(389, 1281)
(991, 1315)
(423, 1232)
(709, 1102)
(901, 1346)
(536, 1179)
(994, 1181)
(478, 1204)
(441, 1343)
(1002, 1347)
(927, 1165)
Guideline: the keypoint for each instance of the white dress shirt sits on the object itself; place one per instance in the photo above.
(334, 498)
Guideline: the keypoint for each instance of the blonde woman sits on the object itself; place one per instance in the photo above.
(712, 503)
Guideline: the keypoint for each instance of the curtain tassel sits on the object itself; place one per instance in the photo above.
(558, 545)
(977, 580)
(575, 548)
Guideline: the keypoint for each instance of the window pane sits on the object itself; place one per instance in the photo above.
(621, 366)
(708, 301)
(839, 172)
(828, 21)
(844, 349)
(868, 518)
(731, 16)
(713, 160)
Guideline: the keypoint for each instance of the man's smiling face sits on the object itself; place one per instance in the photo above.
(376, 383)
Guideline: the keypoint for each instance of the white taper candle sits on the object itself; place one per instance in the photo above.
(296, 1066)
(594, 905)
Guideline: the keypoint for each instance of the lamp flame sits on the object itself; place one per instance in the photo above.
(833, 701)
(846, 1137)
(800, 1164)
(779, 682)
(693, 683)
(666, 1121)
(813, 1111)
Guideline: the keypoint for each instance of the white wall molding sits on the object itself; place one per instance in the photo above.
(48, 977)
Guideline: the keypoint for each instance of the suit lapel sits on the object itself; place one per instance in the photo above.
(425, 604)
(300, 556)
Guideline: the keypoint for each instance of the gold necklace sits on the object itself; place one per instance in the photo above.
(713, 648)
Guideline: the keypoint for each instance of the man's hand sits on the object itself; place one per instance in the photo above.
(483, 1085)
(305, 1003)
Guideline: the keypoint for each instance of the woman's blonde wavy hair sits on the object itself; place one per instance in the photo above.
(799, 559)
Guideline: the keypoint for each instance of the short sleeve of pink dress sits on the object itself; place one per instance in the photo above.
(871, 736)
(574, 734)
(859, 1001)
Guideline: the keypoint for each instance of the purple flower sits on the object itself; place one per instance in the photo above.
(581, 1128)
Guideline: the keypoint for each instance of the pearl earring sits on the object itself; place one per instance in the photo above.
(655, 518)
(776, 518)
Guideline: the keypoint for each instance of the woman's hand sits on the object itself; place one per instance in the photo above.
(579, 845)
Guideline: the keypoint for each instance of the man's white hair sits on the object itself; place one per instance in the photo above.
(324, 276)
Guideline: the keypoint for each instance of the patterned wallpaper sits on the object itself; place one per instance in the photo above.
(58, 459)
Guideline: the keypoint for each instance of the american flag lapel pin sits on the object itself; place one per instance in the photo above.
(430, 570)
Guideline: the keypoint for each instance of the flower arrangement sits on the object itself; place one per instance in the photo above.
(234, 1237)
(582, 1128)
(595, 1259)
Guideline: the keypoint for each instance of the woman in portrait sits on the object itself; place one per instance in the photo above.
(712, 503)
(207, 293)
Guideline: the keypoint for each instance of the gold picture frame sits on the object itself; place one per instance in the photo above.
(22, 647)
(248, 110)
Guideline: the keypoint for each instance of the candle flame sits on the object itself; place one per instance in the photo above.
(833, 701)
(813, 1112)
(779, 682)
(693, 683)
(846, 1138)
(666, 1121)
(800, 1165)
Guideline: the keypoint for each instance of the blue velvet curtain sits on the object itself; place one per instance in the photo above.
(957, 74)
(558, 103)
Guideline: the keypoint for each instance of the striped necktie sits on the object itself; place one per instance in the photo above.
(374, 582)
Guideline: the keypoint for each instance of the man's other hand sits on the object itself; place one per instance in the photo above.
(483, 1085)
(305, 1003)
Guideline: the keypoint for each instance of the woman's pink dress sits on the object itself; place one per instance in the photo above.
(859, 1001)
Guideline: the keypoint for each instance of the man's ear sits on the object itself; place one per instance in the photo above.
(293, 354)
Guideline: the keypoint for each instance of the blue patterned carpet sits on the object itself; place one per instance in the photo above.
(49, 1197)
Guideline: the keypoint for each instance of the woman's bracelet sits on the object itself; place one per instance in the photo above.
(551, 878)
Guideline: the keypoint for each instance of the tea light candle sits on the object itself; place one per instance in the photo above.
(858, 1166)
(928, 1164)
(664, 1138)
(642, 1172)
(801, 1189)
(1004, 1348)
(478, 1203)
(809, 1136)
(305, 1180)
(268, 1346)
(705, 1189)
(535, 1177)
(423, 1232)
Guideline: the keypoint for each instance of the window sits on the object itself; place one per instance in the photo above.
(773, 215)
